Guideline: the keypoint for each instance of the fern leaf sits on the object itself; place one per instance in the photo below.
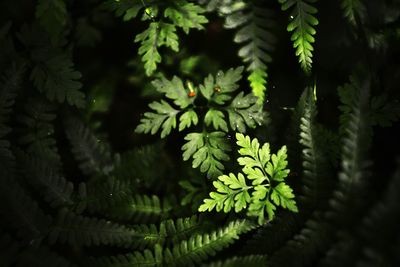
(243, 111)
(384, 112)
(186, 15)
(217, 119)
(261, 169)
(21, 212)
(356, 132)
(56, 78)
(302, 25)
(254, 34)
(165, 118)
(174, 90)
(94, 156)
(128, 9)
(52, 15)
(10, 83)
(158, 34)
(57, 191)
(77, 230)
(37, 130)
(207, 151)
(199, 247)
(218, 90)
(353, 10)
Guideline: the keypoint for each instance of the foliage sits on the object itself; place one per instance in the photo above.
(265, 172)
(207, 148)
(85, 180)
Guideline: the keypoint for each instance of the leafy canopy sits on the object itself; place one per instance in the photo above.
(261, 186)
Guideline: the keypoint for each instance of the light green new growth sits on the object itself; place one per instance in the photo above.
(261, 187)
(302, 25)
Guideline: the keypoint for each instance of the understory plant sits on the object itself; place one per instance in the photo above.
(199, 133)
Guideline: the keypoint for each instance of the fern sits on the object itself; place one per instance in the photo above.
(56, 190)
(9, 85)
(52, 15)
(187, 253)
(94, 156)
(302, 24)
(356, 138)
(116, 200)
(354, 10)
(254, 34)
(207, 151)
(37, 130)
(78, 230)
(207, 148)
(267, 182)
(57, 79)
(182, 14)
(314, 159)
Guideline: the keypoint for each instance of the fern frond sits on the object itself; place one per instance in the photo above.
(208, 150)
(56, 78)
(168, 231)
(265, 174)
(250, 261)
(37, 130)
(384, 112)
(47, 180)
(186, 15)
(52, 15)
(356, 132)
(10, 83)
(354, 10)
(157, 35)
(187, 253)
(164, 116)
(78, 230)
(314, 162)
(93, 155)
(128, 9)
(21, 212)
(199, 247)
(302, 24)
(254, 34)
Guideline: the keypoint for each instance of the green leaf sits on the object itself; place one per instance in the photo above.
(126, 8)
(187, 119)
(56, 78)
(174, 90)
(186, 15)
(208, 150)
(245, 112)
(217, 119)
(148, 49)
(276, 169)
(302, 25)
(257, 41)
(219, 89)
(282, 195)
(164, 118)
(260, 168)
